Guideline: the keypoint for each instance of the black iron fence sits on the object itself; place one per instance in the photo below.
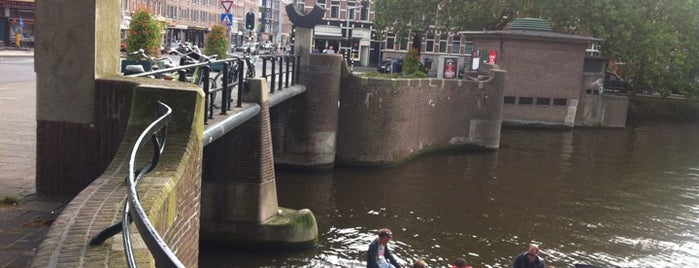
(221, 77)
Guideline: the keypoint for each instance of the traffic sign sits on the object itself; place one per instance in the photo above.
(227, 19)
(227, 5)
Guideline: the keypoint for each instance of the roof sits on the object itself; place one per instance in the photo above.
(532, 24)
(532, 29)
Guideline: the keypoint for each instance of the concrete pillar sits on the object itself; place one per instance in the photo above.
(239, 195)
(303, 43)
(309, 135)
(76, 42)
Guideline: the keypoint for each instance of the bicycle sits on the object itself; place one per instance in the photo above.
(190, 54)
(152, 64)
(250, 63)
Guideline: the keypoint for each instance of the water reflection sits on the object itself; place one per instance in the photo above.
(625, 197)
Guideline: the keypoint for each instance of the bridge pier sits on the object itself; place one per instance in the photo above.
(305, 127)
(239, 196)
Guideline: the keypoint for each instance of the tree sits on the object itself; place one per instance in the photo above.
(144, 33)
(216, 42)
(657, 39)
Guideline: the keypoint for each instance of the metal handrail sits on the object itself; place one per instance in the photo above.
(163, 255)
(280, 78)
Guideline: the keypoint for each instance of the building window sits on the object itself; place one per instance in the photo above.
(468, 44)
(468, 48)
(509, 100)
(429, 47)
(404, 44)
(456, 44)
(365, 14)
(562, 102)
(443, 43)
(390, 41)
(335, 9)
(526, 100)
(351, 10)
(543, 101)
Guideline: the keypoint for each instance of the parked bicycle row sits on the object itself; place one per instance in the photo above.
(188, 64)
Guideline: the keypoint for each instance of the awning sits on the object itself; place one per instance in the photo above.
(180, 27)
(327, 32)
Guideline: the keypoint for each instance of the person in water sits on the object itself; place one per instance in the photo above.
(378, 255)
(529, 258)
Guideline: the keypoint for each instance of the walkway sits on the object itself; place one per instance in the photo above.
(22, 227)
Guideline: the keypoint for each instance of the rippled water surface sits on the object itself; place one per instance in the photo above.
(626, 197)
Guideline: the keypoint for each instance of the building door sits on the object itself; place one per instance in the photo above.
(3, 30)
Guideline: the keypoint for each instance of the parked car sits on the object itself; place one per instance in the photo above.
(614, 83)
(390, 65)
(252, 48)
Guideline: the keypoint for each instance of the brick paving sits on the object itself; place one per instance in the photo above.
(22, 226)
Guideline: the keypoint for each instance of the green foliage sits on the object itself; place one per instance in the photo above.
(10, 200)
(395, 75)
(217, 42)
(144, 33)
(411, 64)
(657, 40)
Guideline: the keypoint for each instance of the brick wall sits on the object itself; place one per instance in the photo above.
(385, 121)
(81, 152)
(305, 127)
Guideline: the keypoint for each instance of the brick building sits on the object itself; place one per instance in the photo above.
(547, 81)
(348, 24)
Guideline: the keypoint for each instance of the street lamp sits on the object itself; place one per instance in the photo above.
(348, 49)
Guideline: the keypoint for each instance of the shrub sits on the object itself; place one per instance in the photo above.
(217, 42)
(411, 64)
(144, 33)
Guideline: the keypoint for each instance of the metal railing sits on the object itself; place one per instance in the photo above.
(233, 73)
(284, 75)
(133, 211)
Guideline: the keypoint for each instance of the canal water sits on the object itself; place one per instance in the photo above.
(612, 197)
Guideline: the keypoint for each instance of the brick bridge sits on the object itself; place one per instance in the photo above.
(215, 182)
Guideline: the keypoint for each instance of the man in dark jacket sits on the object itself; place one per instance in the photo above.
(379, 256)
(530, 258)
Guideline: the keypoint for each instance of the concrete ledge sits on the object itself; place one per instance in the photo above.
(289, 229)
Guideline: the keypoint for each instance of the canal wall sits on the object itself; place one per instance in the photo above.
(596, 109)
(386, 121)
(645, 108)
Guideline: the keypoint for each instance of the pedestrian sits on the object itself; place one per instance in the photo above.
(529, 258)
(460, 263)
(378, 255)
(420, 263)
(330, 50)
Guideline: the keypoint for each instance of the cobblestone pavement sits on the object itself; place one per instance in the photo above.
(23, 225)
